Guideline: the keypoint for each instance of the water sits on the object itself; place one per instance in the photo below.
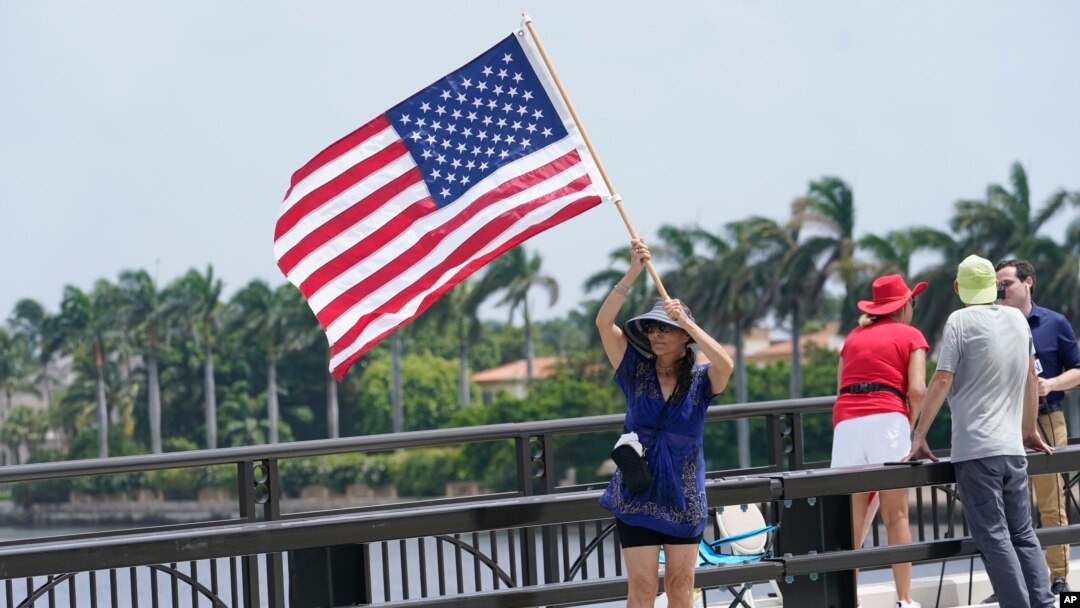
(20, 533)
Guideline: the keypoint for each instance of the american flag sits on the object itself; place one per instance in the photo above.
(377, 226)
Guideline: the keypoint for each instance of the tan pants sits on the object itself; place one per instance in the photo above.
(1049, 493)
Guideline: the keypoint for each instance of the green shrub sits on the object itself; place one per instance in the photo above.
(425, 472)
(376, 471)
(337, 471)
(295, 473)
(222, 477)
(29, 493)
(343, 470)
(110, 484)
(175, 484)
(178, 444)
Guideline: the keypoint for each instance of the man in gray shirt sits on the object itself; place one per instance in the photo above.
(987, 368)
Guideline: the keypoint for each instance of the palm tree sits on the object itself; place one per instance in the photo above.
(638, 299)
(893, 252)
(1058, 266)
(144, 312)
(241, 413)
(514, 274)
(88, 321)
(309, 332)
(730, 279)
(729, 275)
(758, 249)
(270, 318)
(75, 409)
(461, 307)
(32, 320)
(796, 279)
(23, 427)
(829, 204)
(1005, 223)
(397, 406)
(333, 430)
(197, 297)
(15, 366)
(1062, 288)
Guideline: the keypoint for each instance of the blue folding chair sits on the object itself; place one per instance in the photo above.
(746, 538)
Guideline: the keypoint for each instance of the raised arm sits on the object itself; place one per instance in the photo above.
(722, 365)
(610, 335)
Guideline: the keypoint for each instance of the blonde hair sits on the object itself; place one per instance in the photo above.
(866, 320)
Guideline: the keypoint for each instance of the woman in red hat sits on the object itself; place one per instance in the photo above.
(880, 385)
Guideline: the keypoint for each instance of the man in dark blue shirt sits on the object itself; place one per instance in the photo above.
(1057, 359)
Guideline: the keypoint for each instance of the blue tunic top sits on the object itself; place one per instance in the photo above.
(674, 503)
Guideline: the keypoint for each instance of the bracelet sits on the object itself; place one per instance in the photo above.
(620, 288)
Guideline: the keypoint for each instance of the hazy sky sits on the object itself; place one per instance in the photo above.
(161, 135)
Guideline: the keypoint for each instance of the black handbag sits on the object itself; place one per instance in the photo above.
(635, 467)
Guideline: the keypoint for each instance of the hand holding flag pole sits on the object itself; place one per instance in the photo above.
(527, 22)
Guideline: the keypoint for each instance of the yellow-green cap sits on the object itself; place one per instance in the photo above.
(976, 280)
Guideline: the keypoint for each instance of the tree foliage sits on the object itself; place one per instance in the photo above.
(245, 364)
(429, 401)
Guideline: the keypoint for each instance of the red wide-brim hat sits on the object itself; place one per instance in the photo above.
(890, 294)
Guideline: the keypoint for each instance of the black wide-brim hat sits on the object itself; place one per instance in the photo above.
(635, 334)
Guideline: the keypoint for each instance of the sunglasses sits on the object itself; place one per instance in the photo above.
(649, 327)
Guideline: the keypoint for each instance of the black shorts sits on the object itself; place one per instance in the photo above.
(635, 536)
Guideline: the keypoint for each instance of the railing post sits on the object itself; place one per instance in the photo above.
(523, 447)
(776, 440)
(795, 457)
(548, 483)
(527, 544)
(247, 485)
(785, 441)
(810, 526)
(536, 461)
(549, 479)
(275, 567)
(259, 484)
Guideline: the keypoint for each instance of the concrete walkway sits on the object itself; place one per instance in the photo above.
(877, 591)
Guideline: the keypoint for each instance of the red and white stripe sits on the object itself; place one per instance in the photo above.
(361, 237)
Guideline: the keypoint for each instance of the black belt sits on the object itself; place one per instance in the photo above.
(871, 387)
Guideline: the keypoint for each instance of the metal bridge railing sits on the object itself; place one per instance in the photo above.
(540, 545)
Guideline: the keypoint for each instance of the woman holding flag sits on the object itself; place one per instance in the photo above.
(667, 393)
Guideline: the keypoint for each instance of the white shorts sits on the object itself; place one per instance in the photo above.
(871, 440)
